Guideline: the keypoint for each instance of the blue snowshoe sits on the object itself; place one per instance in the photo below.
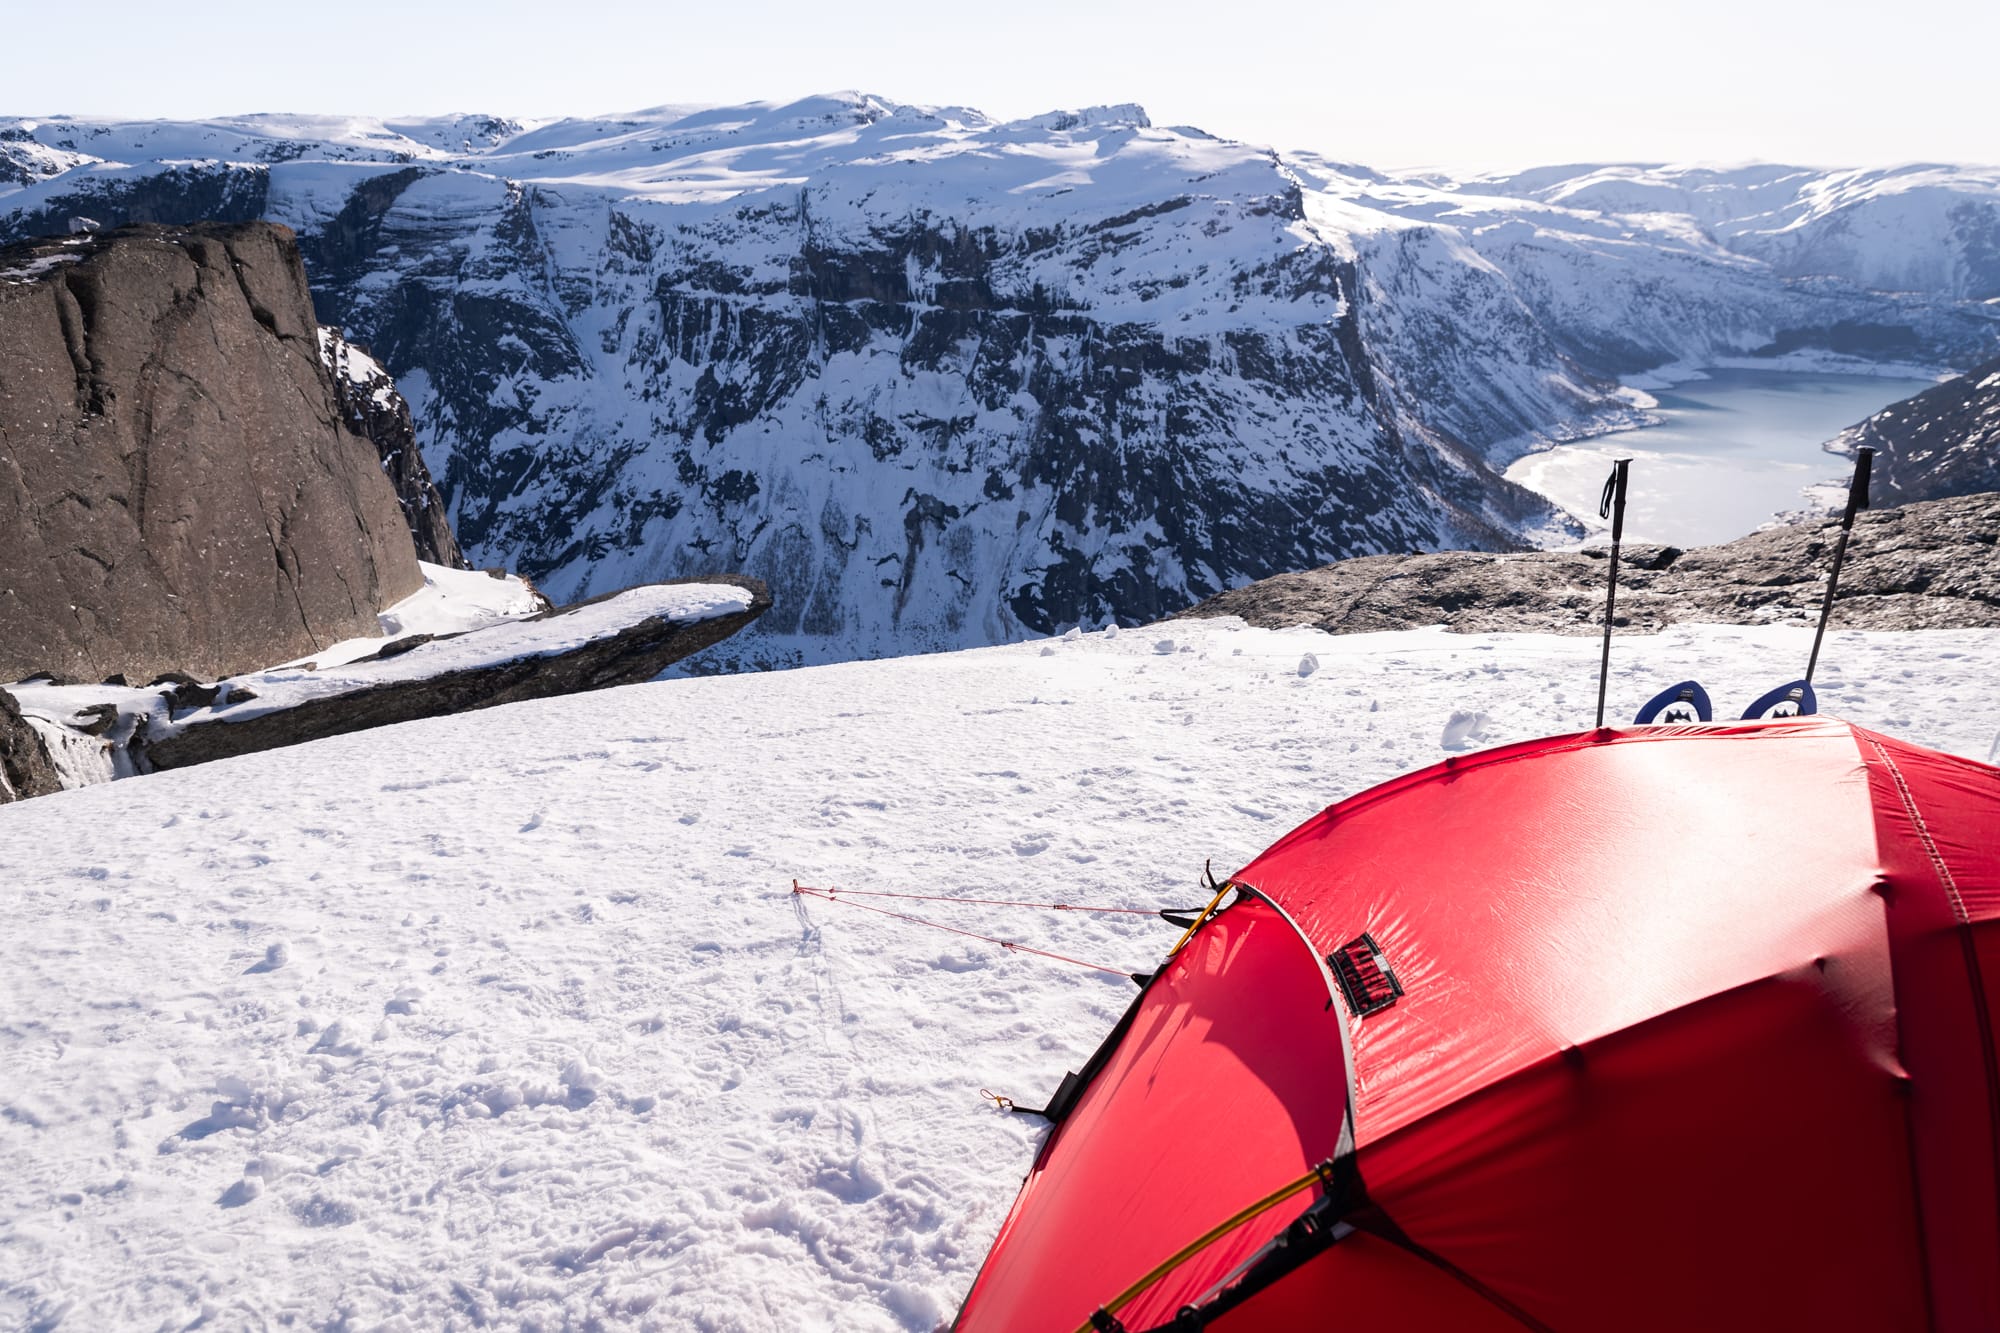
(1794, 699)
(1685, 702)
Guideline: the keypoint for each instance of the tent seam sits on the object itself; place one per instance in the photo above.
(1945, 880)
(1982, 1018)
(1391, 1232)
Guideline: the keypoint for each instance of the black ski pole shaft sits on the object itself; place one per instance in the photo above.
(1612, 506)
(1857, 499)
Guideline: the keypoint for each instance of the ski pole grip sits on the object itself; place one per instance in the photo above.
(1857, 490)
(1611, 504)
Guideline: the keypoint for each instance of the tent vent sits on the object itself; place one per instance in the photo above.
(1366, 981)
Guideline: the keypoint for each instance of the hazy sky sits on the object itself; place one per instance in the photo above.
(1394, 83)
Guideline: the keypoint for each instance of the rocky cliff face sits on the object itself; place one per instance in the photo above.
(1944, 441)
(942, 380)
(179, 488)
(373, 408)
(1921, 566)
(25, 766)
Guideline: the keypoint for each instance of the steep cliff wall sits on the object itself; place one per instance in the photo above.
(1942, 442)
(373, 407)
(178, 487)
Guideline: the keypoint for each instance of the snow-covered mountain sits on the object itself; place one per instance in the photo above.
(942, 380)
(509, 1020)
(1944, 441)
(1917, 228)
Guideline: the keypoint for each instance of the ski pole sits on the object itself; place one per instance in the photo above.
(1611, 505)
(1857, 499)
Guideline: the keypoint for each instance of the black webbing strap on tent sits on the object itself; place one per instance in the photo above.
(1308, 1234)
(1059, 1105)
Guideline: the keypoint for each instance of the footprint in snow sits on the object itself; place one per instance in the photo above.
(1463, 729)
(335, 1041)
(320, 1211)
(275, 957)
(945, 962)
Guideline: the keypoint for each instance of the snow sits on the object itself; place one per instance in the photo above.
(486, 616)
(510, 1020)
(58, 713)
(450, 602)
(278, 688)
(35, 267)
(356, 366)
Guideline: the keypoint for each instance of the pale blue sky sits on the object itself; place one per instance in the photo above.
(1393, 83)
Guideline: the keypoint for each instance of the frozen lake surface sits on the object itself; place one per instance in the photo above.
(1730, 451)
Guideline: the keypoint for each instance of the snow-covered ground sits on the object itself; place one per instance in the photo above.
(450, 602)
(510, 1020)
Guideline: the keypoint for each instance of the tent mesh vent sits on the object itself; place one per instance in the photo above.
(1367, 982)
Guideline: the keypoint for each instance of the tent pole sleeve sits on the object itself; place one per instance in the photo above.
(1323, 1174)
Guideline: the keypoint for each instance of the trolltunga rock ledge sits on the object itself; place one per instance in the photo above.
(95, 733)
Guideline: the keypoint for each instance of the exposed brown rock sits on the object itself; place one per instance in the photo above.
(1923, 566)
(25, 767)
(178, 489)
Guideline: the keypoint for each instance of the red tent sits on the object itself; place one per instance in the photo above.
(1665, 1028)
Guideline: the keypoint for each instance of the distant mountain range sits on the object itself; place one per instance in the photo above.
(942, 380)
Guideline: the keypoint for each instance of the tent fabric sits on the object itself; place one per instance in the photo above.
(1216, 1084)
(1697, 1028)
(1940, 850)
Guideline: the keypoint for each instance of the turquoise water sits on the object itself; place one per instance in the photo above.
(1729, 452)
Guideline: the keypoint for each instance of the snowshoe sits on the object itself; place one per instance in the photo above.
(1794, 699)
(1685, 702)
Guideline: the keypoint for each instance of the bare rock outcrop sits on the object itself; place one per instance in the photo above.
(635, 651)
(179, 487)
(1934, 565)
(373, 407)
(25, 766)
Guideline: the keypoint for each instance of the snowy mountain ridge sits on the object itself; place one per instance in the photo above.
(945, 380)
(1873, 226)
